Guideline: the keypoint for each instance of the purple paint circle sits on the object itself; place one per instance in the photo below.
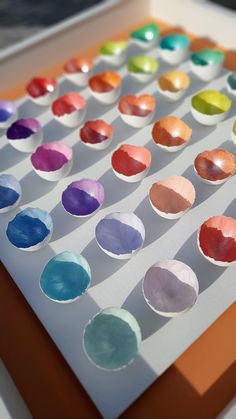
(83, 197)
(23, 128)
(120, 235)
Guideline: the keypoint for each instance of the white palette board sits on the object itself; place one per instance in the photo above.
(114, 282)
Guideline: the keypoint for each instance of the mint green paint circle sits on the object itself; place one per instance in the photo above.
(208, 57)
(112, 339)
(147, 33)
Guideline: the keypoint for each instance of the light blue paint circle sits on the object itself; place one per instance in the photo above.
(112, 339)
(65, 277)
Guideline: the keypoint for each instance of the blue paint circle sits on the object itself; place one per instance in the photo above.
(232, 80)
(65, 277)
(10, 191)
(29, 227)
(117, 237)
(174, 42)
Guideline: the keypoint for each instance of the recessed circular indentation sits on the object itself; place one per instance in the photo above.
(65, 277)
(105, 87)
(42, 91)
(170, 288)
(96, 134)
(217, 240)
(83, 197)
(171, 133)
(112, 339)
(131, 163)
(137, 111)
(146, 36)
(172, 197)
(8, 113)
(52, 161)
(120, 235)
(31, 229)
(210, 107)
(215, 166)
(25, 134)
(10, 193)
(69, 109)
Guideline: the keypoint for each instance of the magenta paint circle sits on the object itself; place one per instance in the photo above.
(83, 197)
(51, 156)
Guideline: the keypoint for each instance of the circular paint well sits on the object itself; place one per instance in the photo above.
(42, 91)
(105, 87)
(215, 166)
(173, 84)
(171, 133)
(217, 240)
(207, 64)
(146, 36)
(143, 67)
(25, 134)
(79, 70)
(231, 84)
(137, 111)
(8, 113)
(83, 197)
(172, 197)
(114, 52)
(10, 193)
(174, 48)
(69, 109)
(210, 107)
(170, 288)
(112, 339)
(131, 163)
(96, 134)
(120, 235)
(30, 230)
(52, 161)
(65, 277)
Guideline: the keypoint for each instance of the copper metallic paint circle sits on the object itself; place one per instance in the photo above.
(171, 131)
(214, 165)
(172, 195)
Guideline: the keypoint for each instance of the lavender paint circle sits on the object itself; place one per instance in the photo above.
(120, 235)
(10, 192)
(170, 287)
(23, 128)
(7, 110)
(83, 197)
(30, 229)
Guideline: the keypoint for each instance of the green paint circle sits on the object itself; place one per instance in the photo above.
(143, 64)
(211, 102)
